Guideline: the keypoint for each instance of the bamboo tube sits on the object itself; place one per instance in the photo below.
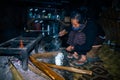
(71, 69)
(37, 71)
(44, 55)
(48, 71)
(15, 73)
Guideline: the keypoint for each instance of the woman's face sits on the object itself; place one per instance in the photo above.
(75, 23)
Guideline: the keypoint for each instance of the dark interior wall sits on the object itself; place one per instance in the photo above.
(13, 13)
(12, 20)
(111, 24)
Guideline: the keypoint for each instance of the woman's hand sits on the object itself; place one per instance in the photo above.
(62, 33)
(70, 48)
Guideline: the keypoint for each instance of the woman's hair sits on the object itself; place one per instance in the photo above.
(81, 17)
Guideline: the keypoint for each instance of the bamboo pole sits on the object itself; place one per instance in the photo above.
(15, 73)
(48, 71)
(71, 69)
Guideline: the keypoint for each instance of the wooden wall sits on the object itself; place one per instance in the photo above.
(110, 20)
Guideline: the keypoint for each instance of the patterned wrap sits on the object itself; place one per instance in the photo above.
(76, 38)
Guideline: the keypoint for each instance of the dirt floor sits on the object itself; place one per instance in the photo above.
(111, 59)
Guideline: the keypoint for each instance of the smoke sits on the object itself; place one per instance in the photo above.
(49, 43)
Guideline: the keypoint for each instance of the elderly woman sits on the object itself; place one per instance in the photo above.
(82, 34)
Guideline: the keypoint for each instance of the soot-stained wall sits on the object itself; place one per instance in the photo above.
(12, 20)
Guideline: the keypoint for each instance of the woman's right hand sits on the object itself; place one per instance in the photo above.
(63, 32)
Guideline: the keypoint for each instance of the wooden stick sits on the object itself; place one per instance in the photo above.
(48, 71)
(39, 72)
(15, 73)
(45, 54)
(71, 69)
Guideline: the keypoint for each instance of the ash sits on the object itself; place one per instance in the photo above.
(27, 75)
(5, 73)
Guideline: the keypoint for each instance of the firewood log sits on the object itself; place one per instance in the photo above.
(71, 69)
(48, 71)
